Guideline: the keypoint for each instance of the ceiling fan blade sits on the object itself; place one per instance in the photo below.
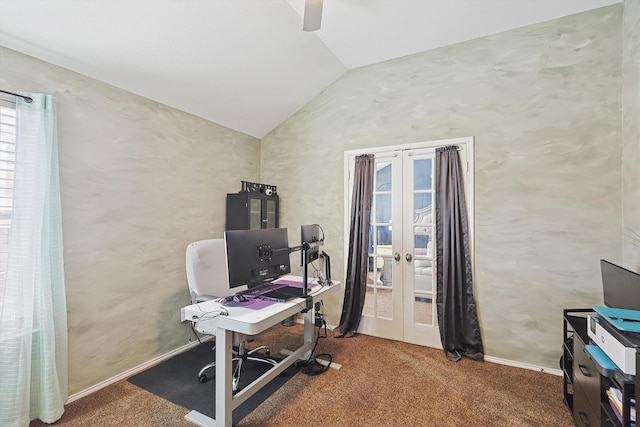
(312, 15)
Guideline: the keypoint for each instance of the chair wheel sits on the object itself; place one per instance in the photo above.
(203, 379)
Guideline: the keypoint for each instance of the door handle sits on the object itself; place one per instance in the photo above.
(408, 257)
(584, 418)
(584, 370)
(396, 256)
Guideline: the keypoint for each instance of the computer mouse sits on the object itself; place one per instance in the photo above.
(232, 300)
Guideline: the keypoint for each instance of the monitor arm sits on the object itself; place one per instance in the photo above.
(268, 252)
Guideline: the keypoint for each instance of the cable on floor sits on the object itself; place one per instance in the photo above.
(311, 366)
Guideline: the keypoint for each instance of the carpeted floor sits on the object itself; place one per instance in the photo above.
(382, 383)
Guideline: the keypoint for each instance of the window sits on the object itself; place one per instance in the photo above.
(7, 163)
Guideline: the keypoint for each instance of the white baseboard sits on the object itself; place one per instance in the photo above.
(133, 371)
(522, 365)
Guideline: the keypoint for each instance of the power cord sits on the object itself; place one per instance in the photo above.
(193, 329)
(206, 316)
(311, 366)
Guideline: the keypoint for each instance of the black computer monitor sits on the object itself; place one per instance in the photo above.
(621, 287)
(313, 236)
(256, 256)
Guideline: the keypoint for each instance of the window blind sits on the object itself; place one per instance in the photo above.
(7, 167)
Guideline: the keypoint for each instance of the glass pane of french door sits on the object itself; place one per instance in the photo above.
(420, 322)
(423, 241)
(382, 312)
(379, 291)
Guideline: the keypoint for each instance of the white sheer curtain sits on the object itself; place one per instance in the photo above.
(33, 313)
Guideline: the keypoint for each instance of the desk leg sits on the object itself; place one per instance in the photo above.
(309, 323)
(224, 392)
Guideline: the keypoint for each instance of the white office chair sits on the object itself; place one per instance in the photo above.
(206, 265)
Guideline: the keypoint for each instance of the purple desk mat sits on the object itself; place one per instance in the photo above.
(257, 303)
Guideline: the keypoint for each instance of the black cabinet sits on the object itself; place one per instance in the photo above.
(252, 211)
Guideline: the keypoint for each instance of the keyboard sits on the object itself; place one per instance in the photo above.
(282, 293)
(258, 289)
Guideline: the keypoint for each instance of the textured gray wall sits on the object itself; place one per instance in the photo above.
(543, 103)
(631, 135)
(139, 181)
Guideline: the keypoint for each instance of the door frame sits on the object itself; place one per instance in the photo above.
(468, 142)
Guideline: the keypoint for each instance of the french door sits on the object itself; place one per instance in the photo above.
(401, 286)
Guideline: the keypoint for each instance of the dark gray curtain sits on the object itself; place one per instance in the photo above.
(356, 280)
(456, 307)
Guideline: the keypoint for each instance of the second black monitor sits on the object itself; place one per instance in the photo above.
(313, 235)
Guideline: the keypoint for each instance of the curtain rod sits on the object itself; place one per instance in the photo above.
(27, 99)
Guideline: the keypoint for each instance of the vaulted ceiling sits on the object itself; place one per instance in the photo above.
(247, 64)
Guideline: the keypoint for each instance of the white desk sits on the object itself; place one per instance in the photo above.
(247, 321)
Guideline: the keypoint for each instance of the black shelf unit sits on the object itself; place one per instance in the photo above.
(252, 211)
(607, 415)
(585, 384)
(624, 383)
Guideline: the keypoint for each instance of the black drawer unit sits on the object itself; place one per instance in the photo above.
(584, 413)
(574, 339)
(585, 374)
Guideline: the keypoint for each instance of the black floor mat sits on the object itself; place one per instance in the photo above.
(176, 380)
